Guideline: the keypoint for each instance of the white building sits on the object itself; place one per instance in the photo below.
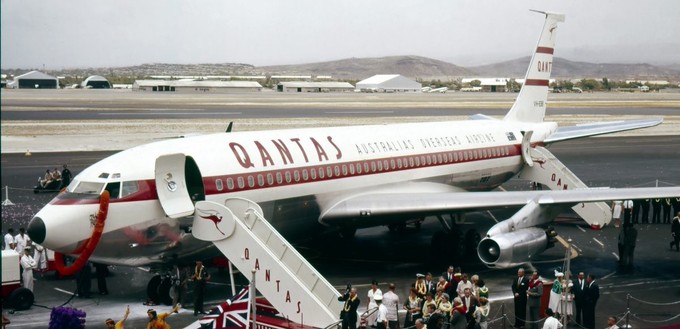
(203, 86)
(314, 87)
(389, 83)
(96, 82)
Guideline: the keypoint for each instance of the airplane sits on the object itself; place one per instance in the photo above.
(344, 178)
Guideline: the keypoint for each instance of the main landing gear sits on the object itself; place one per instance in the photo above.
(452, 244)
(158, 289)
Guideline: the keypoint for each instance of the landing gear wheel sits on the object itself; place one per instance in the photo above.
(152, 288)
(470, 243)
(21, 299)
(164, 295)
(347, 232)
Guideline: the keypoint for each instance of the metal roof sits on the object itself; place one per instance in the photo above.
(319, 84)
(35, 75)
(378, 79)
(202, 83)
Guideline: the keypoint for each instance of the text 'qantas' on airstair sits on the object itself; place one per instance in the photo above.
(284, 277)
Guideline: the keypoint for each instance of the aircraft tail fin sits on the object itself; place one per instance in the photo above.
(531, 102)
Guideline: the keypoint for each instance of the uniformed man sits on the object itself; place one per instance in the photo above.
(656, 210)
(637, 204)
(666, 206)
(200, 276)
(627, 212)
(644, 205)
(349, 309)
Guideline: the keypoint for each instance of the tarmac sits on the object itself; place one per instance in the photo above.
(646, 158)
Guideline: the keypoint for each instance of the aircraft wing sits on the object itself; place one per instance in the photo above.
(382, 208)
(600, 128)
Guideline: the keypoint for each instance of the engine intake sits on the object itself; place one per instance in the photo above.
(514, 248)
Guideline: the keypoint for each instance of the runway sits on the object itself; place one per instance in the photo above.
(395, 257)
(70, 122)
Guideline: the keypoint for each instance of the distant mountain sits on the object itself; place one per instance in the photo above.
(409, 66)
(361, 68)
(566, 69)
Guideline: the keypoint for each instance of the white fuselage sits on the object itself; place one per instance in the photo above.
(293, 174)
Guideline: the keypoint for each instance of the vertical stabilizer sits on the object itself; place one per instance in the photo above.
(531, 102)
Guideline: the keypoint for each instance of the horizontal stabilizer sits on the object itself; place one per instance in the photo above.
(600, 128)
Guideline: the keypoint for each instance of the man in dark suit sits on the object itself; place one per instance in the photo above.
(591, 295)
(644, 204)
(579, 289)
(349, 310)
(449, 274)
(430, 284)
(470, 302)
(520, 285)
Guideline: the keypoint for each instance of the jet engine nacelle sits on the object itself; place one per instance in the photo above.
(514, 248)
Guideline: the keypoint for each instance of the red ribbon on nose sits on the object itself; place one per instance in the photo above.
(85, 250)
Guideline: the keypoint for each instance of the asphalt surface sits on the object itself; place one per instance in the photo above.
(378, 254)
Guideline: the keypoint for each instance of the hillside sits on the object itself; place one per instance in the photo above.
(566, 69)
(361, 68)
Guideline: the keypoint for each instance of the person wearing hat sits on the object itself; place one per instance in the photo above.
(551, 322)
(556, 292)
(420, 286)
(372, 293)
(157, 321)
(381, 317)
(200, 276)
(110, 324)
(27, 264)
(349, 310)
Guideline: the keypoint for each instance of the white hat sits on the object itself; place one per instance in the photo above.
(377, 296)
(559, 274)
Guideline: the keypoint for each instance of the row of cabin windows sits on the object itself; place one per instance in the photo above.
(359, 168)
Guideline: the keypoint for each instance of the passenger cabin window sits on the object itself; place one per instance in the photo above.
(114, 190)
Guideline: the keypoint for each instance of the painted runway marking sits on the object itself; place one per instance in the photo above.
(612, 273)
(171, 113)
(360, 112)
(492, 216)
(64, 291)
(598, 242)
(581, 228)
(615, 255)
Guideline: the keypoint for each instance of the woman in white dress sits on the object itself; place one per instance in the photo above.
(372, 293)
(567, 302)
(556, 292)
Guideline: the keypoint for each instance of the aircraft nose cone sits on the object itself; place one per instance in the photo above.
(36, 230)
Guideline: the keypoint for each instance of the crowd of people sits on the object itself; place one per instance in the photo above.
(453, 300)
(638, 211)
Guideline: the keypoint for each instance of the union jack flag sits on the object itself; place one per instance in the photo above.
(234, 313)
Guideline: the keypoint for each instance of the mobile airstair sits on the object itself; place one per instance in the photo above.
(239, 230)
(550, 172)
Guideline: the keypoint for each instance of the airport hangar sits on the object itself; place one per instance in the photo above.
(206, 86)
(309, 86)
(34, 80)
(389, 83)
(95, 82)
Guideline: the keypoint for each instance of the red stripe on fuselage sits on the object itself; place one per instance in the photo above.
(147, 188)
(545, 50)
(537, 82)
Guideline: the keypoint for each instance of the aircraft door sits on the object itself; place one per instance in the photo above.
(171, 185)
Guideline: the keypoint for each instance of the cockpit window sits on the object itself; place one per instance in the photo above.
(88, 188)
(114, 189)
(104, 175)
(129, 188)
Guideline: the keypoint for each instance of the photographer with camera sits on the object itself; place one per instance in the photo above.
(348, 315)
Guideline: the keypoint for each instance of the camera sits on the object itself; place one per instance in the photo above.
(349, 287)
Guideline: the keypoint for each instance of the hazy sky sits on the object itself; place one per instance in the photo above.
(86, 33)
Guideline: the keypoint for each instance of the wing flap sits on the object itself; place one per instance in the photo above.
(372, 209)
(600, 128)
